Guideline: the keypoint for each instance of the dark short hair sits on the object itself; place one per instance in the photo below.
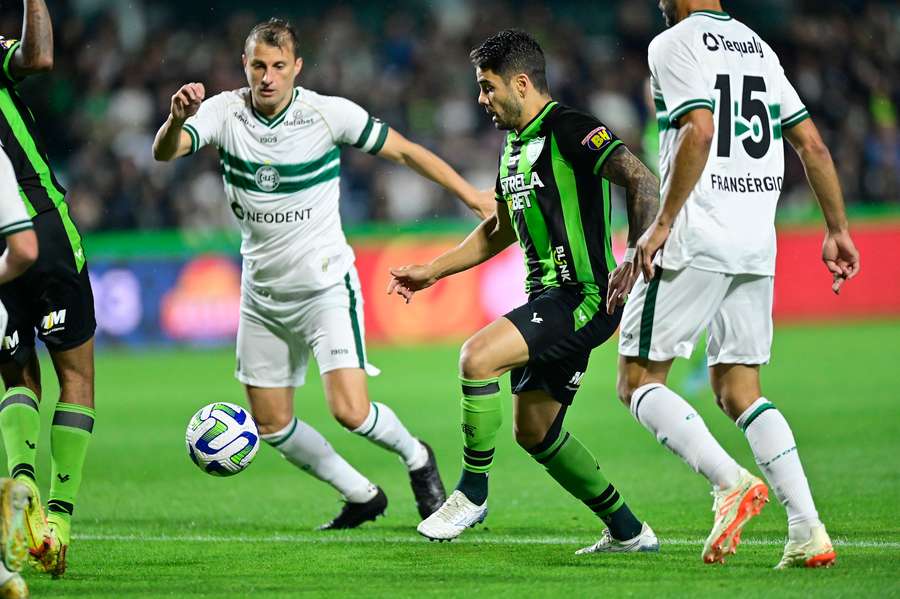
(274, 32)
(511, 52)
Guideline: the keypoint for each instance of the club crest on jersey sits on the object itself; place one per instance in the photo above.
(533, 149)
(267, 178)
(597, 139)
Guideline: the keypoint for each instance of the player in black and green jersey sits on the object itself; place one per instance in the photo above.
(53, 296)
(553, 195)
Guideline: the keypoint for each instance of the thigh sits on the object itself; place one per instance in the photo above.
(331, 322)
(17, 345)
(741, 330)
(559, 379)
(663, 318)
(267, 354)
(61, 286)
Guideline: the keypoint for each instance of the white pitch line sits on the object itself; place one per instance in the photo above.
(490, 540)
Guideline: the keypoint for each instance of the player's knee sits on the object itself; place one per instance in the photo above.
(269, 423)
(350, 414)
(475, 361)
(528, 437)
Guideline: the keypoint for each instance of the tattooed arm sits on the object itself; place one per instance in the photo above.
(35, 54)
(642, 202)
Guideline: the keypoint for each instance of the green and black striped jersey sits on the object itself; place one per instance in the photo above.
(38, 186)
(550, 181)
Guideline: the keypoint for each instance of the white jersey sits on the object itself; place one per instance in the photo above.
(13, 217)
(711, 60)
(282, 181)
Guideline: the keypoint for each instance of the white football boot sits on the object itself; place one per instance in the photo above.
(646, 541)
(452, 518)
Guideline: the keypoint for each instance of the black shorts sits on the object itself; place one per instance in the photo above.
(53, 297)
(561, 326)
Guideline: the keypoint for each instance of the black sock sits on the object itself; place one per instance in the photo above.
(474, 485)
(622, 524)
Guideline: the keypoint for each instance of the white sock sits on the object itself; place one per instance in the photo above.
(680, 428)
(383, 428)
(306, 448)
(775, 450)
(4, 573)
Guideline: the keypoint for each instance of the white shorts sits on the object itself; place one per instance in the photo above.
(276, 333)
(663, 319)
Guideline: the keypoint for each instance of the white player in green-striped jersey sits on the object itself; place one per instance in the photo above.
(724, 107)
(280, 148)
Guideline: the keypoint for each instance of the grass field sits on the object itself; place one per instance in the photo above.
(149, 524)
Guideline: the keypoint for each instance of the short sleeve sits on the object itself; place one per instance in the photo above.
(205, 127)
(13, 217)
(792, 109)
(584, 140)
(7, 49)
(679, 75)
(351, 125)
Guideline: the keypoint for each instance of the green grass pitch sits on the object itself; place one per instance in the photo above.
(148, 523)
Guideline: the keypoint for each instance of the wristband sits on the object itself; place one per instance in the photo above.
(629, 255)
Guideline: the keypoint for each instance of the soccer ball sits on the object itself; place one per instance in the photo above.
(222, 439)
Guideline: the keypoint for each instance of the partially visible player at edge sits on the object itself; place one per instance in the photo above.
(53, 296)
(552, 190)
(708, 261)
(280, 149)
(21, 251)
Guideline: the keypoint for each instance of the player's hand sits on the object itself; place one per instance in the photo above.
(621, 280)
(840, 257)
(406, 280)
(650, 242)
(186, 101)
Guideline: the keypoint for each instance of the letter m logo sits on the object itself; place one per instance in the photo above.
(54, 318)
(11, 341)
(576, 378)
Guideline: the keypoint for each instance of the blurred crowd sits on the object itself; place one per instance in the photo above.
(118, 62)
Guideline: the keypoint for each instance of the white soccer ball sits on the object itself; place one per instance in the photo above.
(222, 439)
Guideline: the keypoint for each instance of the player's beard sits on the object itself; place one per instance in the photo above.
(509, 114)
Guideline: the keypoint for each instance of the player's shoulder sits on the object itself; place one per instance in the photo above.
(566, 120)
(323, 102)
(233, 98)
(679, 35)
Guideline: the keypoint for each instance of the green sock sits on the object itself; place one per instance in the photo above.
(69, 439)
(20, 421)
(481, 419)
(572, 466)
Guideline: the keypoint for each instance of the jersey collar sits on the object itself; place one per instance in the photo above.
(532, 127)
(273, 122)
(715, 14)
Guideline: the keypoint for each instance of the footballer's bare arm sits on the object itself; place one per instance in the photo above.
(641, 190)
(430, 165)
(642, 203)
(172, 141)
(35, 53)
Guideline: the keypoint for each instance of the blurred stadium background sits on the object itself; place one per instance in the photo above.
(162, 241)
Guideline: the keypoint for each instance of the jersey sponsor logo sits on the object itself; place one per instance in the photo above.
(11, 342)
(54, 321)
(746, 184)
(533, 149)
(716, 41)
(597, 139)
(518, 190)
(271, 218)
(297, 120)
(268, 178)
(562, 264)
